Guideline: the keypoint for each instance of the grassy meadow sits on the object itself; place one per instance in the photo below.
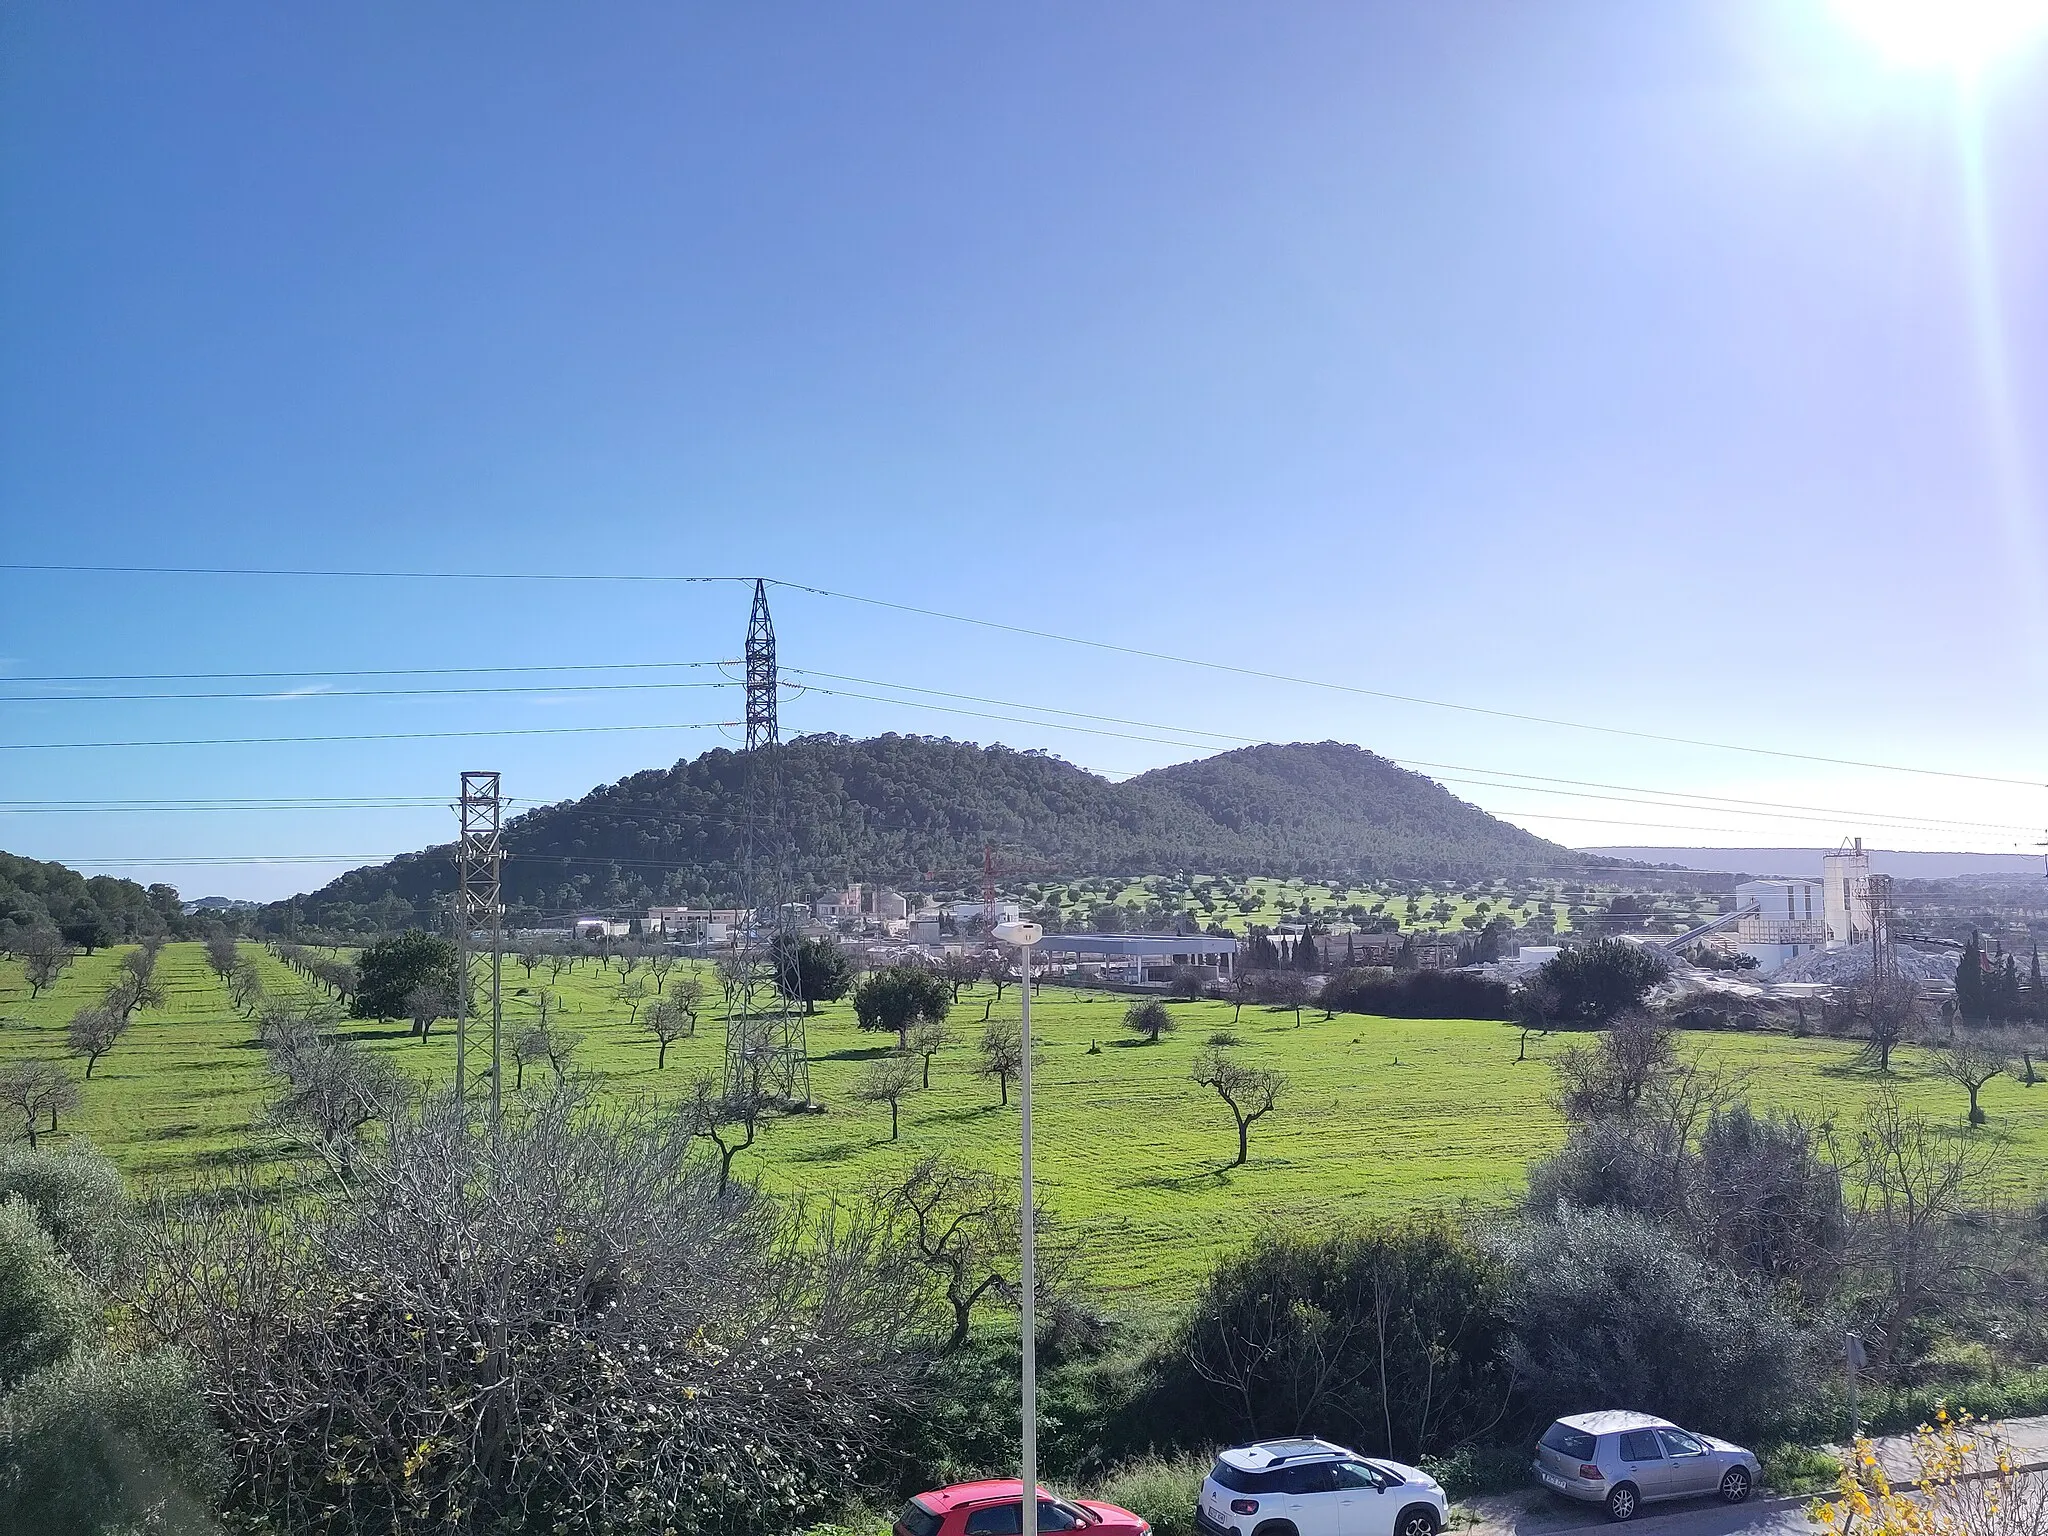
(1380, 1114)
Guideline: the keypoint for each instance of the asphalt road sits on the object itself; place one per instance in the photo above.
(1545, 1514)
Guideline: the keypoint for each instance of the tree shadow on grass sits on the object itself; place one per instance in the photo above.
(956, 1116)
(858, 1053)
(1209, 1178)
(827, 1152)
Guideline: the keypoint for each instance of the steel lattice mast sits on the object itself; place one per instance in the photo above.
(767, 1048)
(479, 908)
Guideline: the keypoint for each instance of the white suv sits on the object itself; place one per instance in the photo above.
(1313, 1488)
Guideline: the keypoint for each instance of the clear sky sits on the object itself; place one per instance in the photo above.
(1679, 367)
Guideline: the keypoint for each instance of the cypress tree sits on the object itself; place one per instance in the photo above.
(1970, 980)
(2034, 1000)
(1305, 956)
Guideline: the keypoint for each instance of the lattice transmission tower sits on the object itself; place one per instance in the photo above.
(479, 915)
(1884, 956)
(767, 1049)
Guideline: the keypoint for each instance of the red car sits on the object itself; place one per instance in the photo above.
(996, 1508)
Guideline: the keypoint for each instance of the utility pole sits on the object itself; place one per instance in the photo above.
(766, 1043)
(479, 904)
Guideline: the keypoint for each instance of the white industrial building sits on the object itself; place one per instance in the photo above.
(1788, 920)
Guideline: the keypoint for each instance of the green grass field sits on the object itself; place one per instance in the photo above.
(1380, 1115)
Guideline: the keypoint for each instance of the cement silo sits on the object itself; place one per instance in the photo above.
(1845, 890)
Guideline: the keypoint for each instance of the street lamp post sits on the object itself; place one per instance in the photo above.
(1023, 936)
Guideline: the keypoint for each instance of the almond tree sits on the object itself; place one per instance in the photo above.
(1002, 1054)
(33, 1089)
(632, 993)
(667, 1021)
(659, 964)
(44, 957)
(885, 1081)
(1250, 1092)
(927, 1039)
(94, 1032)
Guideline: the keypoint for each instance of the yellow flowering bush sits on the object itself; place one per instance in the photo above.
(1960, 1482)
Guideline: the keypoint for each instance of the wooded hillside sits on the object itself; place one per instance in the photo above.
(917, 811)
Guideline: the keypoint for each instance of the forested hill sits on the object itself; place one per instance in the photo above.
(88, 910)
(917, 811)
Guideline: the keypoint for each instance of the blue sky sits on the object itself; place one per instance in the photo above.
(1676, 367)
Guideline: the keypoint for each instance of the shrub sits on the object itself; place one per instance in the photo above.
(44, 1312)
(1594, 982)
(78, 1198)
(1610, 1307)
(1159, 1490)
(1418, 994)
(1388, 1336)
(102, 1444)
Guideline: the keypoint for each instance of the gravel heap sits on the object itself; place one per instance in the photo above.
(1847, 967)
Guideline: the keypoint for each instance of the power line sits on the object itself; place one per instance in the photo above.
(299, 696)
(190, 677)
(354, 575)
(1039, 634)
(1722, 801)
(1405, 698)
(252, 741)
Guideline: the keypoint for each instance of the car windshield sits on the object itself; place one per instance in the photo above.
(1566, 1441)
(916, 1520)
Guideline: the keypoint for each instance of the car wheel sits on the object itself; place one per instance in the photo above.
(1623, 1501)
(1416, 1520)
(1275, 1528)
(1736, 1485)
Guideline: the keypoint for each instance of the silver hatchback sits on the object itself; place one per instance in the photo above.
(1626, 1460)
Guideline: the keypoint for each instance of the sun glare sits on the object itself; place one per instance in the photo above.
(1962, 35)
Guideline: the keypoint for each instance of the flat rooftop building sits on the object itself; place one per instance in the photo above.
(1142, 950)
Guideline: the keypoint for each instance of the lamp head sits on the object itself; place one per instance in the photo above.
(1023, 935)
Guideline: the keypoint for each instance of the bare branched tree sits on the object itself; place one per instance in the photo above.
(961, 1226)
(44, 957)
(30, 1090)
(1887, 1013)
(667, 1022)
(425, 1003)
(730, 1121)
(1250, 1092)
(632, 993)
(1001, 1054)
(887, 1080)
(659, 964)
(93, 1032)
(1908, 1184)
(928, 1037)
(1972, 1058)
(332, 1091)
